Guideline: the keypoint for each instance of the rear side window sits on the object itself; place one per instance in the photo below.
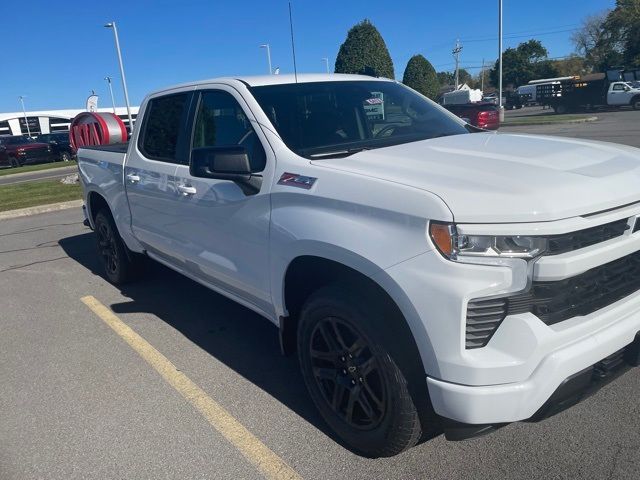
(163, 127)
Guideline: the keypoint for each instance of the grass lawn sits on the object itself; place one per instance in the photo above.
(35, 168)
(29, 194)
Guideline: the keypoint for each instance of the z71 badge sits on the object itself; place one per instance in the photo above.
(295, 180)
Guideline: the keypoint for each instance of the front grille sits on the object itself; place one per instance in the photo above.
(583, 294)
(568, 242)
(553, 302)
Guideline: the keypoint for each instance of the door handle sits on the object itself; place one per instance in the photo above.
(133, 177)
(187, 189)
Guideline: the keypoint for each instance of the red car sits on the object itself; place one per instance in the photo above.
(20, 150)
(482, 115)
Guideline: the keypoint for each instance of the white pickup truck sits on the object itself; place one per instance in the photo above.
(428, 274)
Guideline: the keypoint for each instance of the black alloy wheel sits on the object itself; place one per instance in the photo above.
(65, 157)
(348, 348)
(347, 373)
(120, 265)
(107, 248)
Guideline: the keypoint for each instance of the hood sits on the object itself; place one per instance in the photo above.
(496, 178)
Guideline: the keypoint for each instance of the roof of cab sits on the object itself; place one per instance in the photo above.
(261, 80)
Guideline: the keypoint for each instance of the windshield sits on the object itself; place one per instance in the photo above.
(332, 119)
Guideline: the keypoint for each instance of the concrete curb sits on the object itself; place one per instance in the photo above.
(71, 168)
(565, 122)
(52, 207)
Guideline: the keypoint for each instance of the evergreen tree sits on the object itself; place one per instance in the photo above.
(364, 52)
(421, 76)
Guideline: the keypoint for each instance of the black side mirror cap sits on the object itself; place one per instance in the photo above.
(225, 163)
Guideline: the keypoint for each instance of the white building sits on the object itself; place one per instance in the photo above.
(48, 121)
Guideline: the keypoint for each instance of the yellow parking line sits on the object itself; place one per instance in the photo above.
(256, 452)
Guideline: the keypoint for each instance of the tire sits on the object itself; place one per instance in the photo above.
(15, 163)
(635, 103)
(65, 157)
(120, 265)
(354, 382)
(561, 109)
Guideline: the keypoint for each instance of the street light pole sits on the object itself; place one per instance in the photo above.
(266, 45)
(124, 81)
(113, 102)
(24, 111)
(326, 62)
(500, 106)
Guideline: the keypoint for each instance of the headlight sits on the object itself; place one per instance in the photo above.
(474, 248)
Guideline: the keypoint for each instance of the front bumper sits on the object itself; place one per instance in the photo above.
(571, 391)
(512, 402)
(526, 360)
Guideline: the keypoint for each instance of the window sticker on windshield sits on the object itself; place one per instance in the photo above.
(374, 106)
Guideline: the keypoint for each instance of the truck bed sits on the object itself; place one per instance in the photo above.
(114, 147)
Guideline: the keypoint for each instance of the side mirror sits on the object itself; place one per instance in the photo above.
(225, 163)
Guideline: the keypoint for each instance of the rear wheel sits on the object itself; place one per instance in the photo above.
(354, 382)
(561, 109)
(120, 265)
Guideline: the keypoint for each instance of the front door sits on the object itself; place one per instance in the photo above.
(225, 227)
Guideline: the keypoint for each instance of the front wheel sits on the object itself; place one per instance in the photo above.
(351, 377)
(65, 157)
(15, 163)
(635, 103)
(120, 266)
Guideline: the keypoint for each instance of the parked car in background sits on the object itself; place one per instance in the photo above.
(19, 150)
(482, 115)
(60, 145)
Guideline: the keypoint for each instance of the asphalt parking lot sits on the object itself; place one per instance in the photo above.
(199, 389)
(618, 126)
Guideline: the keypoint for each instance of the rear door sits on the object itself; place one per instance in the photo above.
(159, 146)
(223, 228)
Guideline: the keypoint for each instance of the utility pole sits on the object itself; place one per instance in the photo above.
(482, 77)
(500, 107)
(456, 54)
(24, 111)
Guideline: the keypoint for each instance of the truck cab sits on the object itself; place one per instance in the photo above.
(621, 93)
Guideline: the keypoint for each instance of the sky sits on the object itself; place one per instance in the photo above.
(56, 52)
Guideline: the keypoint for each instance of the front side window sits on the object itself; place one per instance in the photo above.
(221, 122)
(163, 124)
(618, 86)
(331, 119)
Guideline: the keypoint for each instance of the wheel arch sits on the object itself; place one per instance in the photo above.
(412, 350)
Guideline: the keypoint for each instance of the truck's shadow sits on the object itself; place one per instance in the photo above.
(232, 334)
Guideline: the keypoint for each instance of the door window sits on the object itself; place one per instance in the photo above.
(163, 127)
(618, 87)
(221, 122)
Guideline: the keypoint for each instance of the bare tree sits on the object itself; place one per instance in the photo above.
(593, 41)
